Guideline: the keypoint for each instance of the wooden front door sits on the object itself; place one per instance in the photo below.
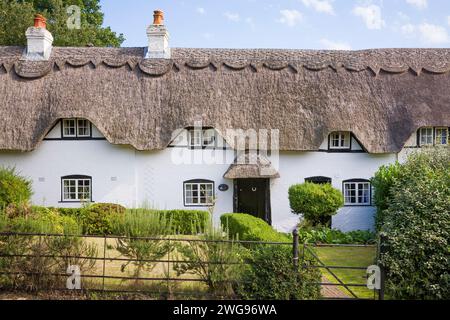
(252, 196)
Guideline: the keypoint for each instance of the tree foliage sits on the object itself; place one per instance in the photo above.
(17, 15)
(416, 228)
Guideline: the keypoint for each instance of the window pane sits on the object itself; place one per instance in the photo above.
(441, 136)
(69, 128)
(84, 128)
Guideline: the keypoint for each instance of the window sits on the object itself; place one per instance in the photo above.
(429, 136)
(198, 193)
(76, 189)
(357, 193)
(318, 180)
(441, 136)
(426, 137)
(340, 140)
(76, 128)
(202, 138)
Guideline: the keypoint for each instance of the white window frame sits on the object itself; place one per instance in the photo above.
(426, 136)
(198, 138)
(76, 182)
(438, 137)
(343, 138)
(65, 126)
(86, 125)
(359, 186)
(76, 127)
(193, 187)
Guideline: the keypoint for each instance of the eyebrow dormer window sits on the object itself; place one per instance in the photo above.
(340, 140)
(202, 138)
(76, 128)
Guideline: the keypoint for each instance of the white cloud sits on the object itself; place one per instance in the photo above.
(251, 23)
(332, 45)
(201, 10)
(420, 4)
(448, 20)
(207, 36)
(429, 34)
(323, 6)
(408, 29)
(371, 15)
(290, 17)
(433, 34)
(232, 16)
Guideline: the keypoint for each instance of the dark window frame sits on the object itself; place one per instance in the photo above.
(198, 181)
(76, 177)
(319, 180)
(370, 204)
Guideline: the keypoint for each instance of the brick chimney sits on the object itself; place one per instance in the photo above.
(158, 38)
(39, 40)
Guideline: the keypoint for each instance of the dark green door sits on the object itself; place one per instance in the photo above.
(252, 196)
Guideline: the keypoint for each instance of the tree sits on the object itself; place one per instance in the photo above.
(17, 15)
(316, 202)
(416, 228)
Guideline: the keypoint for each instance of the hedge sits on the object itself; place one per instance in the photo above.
(100, 218)
(250, 228)
(186, 222)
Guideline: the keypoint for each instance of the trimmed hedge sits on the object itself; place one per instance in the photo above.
(250, 228)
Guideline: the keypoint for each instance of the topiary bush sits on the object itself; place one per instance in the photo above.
(14, 189)
(316, 202)
(250, 228)
(416, 228)
(272, 276)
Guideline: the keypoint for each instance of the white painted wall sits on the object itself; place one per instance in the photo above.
(296, 166)
(155, 179)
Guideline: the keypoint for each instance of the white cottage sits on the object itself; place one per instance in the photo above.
(175, 128)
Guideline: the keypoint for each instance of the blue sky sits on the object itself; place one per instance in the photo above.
(296, 24)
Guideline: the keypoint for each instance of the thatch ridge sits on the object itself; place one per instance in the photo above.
(382, 96)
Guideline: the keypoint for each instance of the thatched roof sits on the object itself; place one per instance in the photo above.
(250, 166)
(382, 96)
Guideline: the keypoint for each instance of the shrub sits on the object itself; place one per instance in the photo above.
(14, 189)
(416, 228)
(187, 222)
(143, 252)
(316, 202)
(249, 228)
(216, 260)
(99, 218)
(272, 276)
(382, 183)
(324, 235)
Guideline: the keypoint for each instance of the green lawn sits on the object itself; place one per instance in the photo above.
(348, 257)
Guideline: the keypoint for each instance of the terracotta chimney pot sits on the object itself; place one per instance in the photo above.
(158, 17)
(40, 21)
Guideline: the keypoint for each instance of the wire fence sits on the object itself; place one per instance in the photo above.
(159, 267)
